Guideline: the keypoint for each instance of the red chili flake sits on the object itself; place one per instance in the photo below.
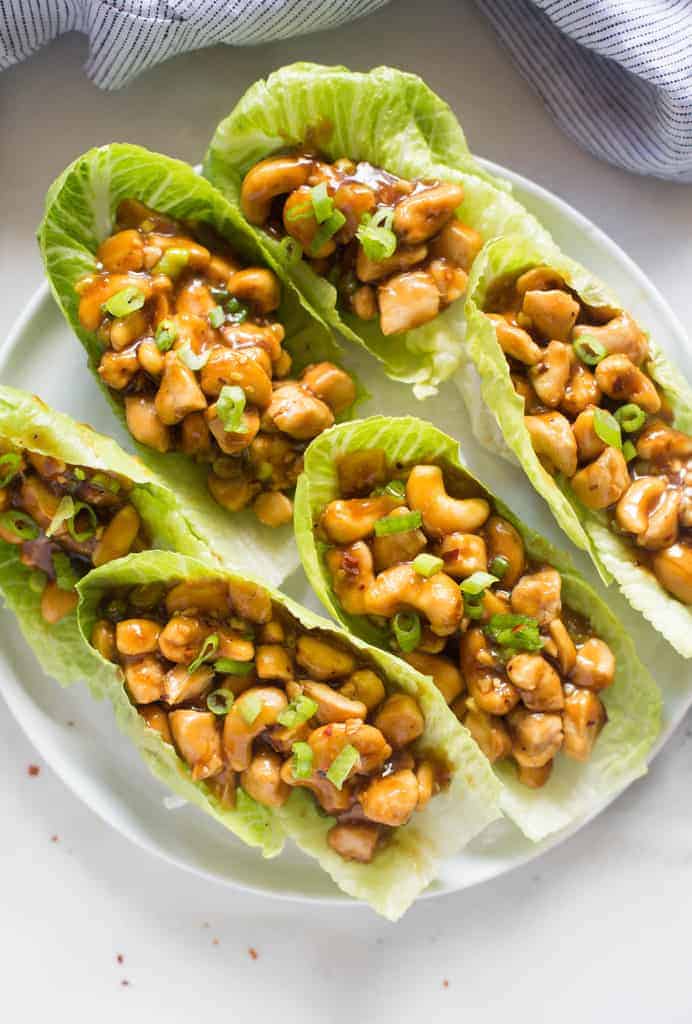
(33, 769)
(328, 730)
(120, 958)
(445, 983)
(54, 839)
(253, 953)
(449, 556)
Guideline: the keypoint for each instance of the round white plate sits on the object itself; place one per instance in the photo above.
(78, 737)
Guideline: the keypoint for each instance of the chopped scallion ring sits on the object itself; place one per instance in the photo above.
(192, 360)
(166, 334)
(216, 316)
(105, 482)
(79, 473)
(250, 707)
(65, 576)
(517, 632)
(299, 711)
(340, 768)
(607, 427)
(127, 300)
(322, 202)
(292, 250)
(590, 350)
(301, 767)
(427, 565)
(332, 224)
(499, 566)
(220, 701)
(9, 467)
(19, 524)
(407, 631)
(172, 263)
(230, 406)
(473, 608)
(629, 451)
(89, 532)
(37, 581)
(64, 511)
(631, 417)
(209, 647)
(376, 236)
(220, 295)
(475, 584)
(232, 667)
(398, 523)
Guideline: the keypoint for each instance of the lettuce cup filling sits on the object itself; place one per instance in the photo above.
(598, 420)
(354, 754)
(70, 500)
(362, 187)
(204, 349)
(413, 553)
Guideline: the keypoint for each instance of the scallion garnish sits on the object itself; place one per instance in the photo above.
(292, 250)
(63, 512)
(298, 712)
(79, 473)
(210, 645)
(518, 632)
(376, 236)
(473, 607)
(499, 566)
(407, 631)
(216, 316)
(340, 768)
(230, 406)
(166, 334)
(220, 701)
(37, 581)
(82, 535)
(301, 767)
(395, 489)
(630, 417)
(250, 707)
(127, 300)
(301, 212)
(427, 565)
(172, 263)
(629, 451)
(219, 295)
(9, 467)
(232, 667)
(193, 360)
(401, 523)
(607, 427)
(20, 524)
(322, 202)
(475, 584)
(332, 224)
(589, 349)
(65, 576)
(106, 482)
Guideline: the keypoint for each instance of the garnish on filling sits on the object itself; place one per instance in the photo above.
(392, 248)
(424, 555)
(66, 520)
(251, 699)
(596, 416)
(192, 346)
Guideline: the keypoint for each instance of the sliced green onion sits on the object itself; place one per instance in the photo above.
(395, 489)
(220, 295)
(407, 631)
(232, 667)
(250, 707)
(475, 584)
(322, 202)
(237, 316)
(172, 263)
(499, 566)
(210, 645)
(105, 482)
(88, 533)
(376, 236)
(301, 768)
(37, 581)
(330, 227)
(473, 609)
(216, 316)
(298, 712)
(630, 417)
(518, 632)
(20, 524)
(230, 406)
(590, 350)
(192, 360)
(301, 212)
(607, 428)
(79, 473)
(427, 565)
(220, 701)
(9, 466)
(146, 595)
(63, 512)
(65, 576)
(127, 300)
(401, 523)
(340, 768)
(166, 334)
(292, 250)
(629, 451)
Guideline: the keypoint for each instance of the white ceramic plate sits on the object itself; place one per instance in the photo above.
(103, 768)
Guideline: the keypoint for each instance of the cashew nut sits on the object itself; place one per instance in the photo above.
(258, 286)
(238, 732)
(268, 179)
(553, 440)
(550, 375)
(330, 383)
(262, 780)
(552, 313)
(658, 441)
(603, 481)
(402, 259)
(332, 705)
(323, 660)
(422, 214)
(620, 379)
(445, 675)
(443, 514)
(352, 573)
(621, 334)
(144, 423)
(438, 598)
(197, 740)
(504, 541)
(347, 520)
(673, 567)
(583, 718)
(514, 341)
(589, 444)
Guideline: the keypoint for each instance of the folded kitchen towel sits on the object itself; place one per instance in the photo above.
(616, 74)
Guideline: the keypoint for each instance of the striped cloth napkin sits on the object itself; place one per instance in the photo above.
(616, 74)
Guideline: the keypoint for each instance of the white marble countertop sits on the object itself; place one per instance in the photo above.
(595, 930)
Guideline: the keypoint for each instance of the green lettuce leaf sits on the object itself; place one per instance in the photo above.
(393, 120)
(633, 702)
(79, 214)
(588, 529)
(27, 422)
(410, 861)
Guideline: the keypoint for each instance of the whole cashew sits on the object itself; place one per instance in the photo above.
(552, 438)
(438, 598)
(620, 379)
(621, 334)
(268, 179)
(442, 514)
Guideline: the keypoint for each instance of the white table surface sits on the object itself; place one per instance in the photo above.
(596, 930)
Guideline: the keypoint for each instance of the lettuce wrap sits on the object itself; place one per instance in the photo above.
(79, 214)
(633, 702)
(588, 529)
(392, 120)
(408, 863)
(26, 422)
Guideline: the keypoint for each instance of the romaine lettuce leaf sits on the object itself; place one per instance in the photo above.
(79, 214)
(27, 422)
(409, 862)
(633, 702)
(588, 529)
(393, 120)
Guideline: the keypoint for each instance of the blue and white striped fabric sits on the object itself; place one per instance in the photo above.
(616, 74)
